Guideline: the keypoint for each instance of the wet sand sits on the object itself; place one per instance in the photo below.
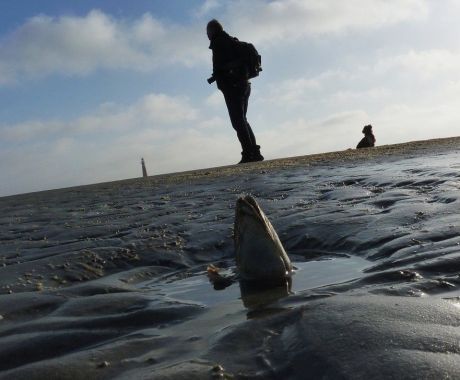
(109, 280)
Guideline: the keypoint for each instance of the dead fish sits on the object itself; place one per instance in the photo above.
(260, 256)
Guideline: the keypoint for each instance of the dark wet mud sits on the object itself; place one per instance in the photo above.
(109, 281)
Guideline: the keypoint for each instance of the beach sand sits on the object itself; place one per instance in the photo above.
(109, 280)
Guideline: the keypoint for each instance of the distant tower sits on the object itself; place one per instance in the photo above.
(144, 170)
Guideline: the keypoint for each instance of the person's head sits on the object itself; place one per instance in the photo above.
(213, 28)
(367, 129)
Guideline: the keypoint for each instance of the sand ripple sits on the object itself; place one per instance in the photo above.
(109, 280)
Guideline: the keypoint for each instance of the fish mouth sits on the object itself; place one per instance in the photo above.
(248, 212)
(248, 215)
(247, 206)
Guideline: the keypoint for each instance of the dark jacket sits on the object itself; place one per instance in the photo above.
(368, 141)
(227, 64)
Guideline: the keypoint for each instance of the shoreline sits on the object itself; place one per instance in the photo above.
(338, 157)
(341, 156)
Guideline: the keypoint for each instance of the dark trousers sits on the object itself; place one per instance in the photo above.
(236, 99)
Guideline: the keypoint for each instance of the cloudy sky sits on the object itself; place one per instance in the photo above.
(89, 87)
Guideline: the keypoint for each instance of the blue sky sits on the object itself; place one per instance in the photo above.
(89, 87)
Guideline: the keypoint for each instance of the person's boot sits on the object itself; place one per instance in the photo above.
(255, 154)
(245, 157)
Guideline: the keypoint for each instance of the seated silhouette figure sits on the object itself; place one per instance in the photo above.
(368, 141)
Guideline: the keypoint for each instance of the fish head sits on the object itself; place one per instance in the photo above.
(258, 249)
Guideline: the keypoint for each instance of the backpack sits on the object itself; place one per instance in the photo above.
(251, 58)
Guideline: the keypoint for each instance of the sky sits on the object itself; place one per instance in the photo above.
(89, 87)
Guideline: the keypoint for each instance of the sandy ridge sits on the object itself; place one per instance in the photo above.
(377, 154)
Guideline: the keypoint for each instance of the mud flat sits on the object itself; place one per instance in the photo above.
(109, 281)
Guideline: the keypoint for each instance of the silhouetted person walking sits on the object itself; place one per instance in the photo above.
(232, 77)
(368, 141)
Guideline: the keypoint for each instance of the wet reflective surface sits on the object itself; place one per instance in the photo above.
(109, 281)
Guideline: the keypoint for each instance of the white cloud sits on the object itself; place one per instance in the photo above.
(299, 136)
(79, 45)
(106, 145)
(403, 122)
(153, 111)
(413, 76)
(163, 109)
(207, 7)
(293, 92)
(215, 123)
(426, 64)
(278, 21)
(215, 99)
(72, 45)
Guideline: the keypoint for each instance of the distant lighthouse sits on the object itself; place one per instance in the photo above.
(144, 170)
